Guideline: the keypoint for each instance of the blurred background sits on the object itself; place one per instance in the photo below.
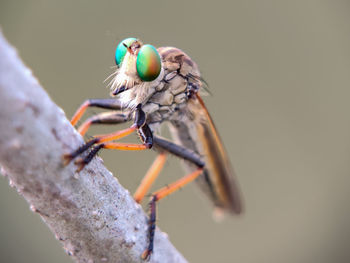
(279, 72)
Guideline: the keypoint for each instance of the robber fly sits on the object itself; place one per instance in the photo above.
(153, 86)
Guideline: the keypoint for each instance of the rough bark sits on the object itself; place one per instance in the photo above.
(94, 218)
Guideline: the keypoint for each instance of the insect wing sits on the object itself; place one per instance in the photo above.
(218, 166)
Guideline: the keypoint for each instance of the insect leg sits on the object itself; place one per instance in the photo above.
(146, 137)
(178, 150)
(81, 162)
(150, 177)
(103, 118)
(103, 141)
(158, 163)
(183, 153)
(158, 195)
(139, 122)
(67, 158)
(100, 103)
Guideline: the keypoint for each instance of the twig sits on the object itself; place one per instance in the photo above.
(95, 219)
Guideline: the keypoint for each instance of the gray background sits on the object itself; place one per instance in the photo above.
(279, 74)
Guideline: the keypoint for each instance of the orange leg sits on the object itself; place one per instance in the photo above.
(101, 141)
(84, 127)
(169, 189)
(150, 177)
(113, 117)
(101, 103)
(82, 161)
(67, 158)
(114, 135)
(124, 146)
(156, 196)
(79, 113)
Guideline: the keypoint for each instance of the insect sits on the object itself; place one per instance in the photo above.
(151, 87)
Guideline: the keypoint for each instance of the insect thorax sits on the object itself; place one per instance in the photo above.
(169, 101)
(171, 95)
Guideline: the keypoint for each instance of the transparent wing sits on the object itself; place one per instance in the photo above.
(217, 162)
(200, 135)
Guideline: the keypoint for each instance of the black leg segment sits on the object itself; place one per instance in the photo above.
(179, 151)
(146, 135)
(151, 228)
(113, 104)
(108, 118)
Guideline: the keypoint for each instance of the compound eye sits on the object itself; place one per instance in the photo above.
(122, 49)
(148, 64)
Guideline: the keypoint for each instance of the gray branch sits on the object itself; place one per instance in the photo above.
(92, 215)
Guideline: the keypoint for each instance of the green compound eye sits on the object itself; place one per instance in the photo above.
(121, 49)
(148, 64)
